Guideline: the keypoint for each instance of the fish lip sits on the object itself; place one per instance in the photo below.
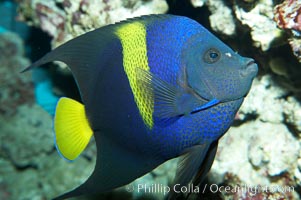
(250, 69)
(251, 62)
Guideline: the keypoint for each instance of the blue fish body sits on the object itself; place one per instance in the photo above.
(153, 88)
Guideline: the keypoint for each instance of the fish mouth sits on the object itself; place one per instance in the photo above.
(250, 69)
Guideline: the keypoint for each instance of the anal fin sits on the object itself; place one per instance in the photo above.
(194, 165)
(115, 167)
(206, 165)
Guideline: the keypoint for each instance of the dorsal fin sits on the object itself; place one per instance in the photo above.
(83, 55)
(86, 54)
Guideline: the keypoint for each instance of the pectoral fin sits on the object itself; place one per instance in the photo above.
(170, 102)
(72, 130)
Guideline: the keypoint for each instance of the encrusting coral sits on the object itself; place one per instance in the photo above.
(288, 17)
(263, 147)
(66, 19)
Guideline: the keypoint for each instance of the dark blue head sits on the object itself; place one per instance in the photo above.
(214, 71)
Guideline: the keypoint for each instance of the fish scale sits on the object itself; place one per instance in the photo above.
(153, 88)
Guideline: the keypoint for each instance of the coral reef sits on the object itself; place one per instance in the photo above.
(250, 27)
(221, 19)
(255, 27)
(288, 17)
(260, 20)
(263, 151)
(27, 153)
(66, 19)
(242, 20)
(198, 3)
(154, 184)
(257, 15)
(11, 93)
(259, 157)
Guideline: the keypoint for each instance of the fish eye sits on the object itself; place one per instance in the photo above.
(211, 56)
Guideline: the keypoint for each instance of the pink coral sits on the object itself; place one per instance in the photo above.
(51, 20)
(288, 15)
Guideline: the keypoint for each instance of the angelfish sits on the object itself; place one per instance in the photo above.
(153, 88)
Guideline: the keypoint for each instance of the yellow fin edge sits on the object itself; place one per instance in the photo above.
(72, 129)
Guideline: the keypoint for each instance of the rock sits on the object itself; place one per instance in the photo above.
(287, 15)
(30, 166)
(156, 184)
(263, 150)
(260, 21)
(221, 19)
(64, 20)
(198, 3)
(11, 63)
(264, 100)
(258, 154)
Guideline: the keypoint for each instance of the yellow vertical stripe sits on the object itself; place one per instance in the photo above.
(133, 41)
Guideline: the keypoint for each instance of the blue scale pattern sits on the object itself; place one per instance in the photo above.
(200, 127)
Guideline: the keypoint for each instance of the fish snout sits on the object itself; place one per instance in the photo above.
(249, 69)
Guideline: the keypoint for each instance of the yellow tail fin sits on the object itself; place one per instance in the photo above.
(72, 129)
